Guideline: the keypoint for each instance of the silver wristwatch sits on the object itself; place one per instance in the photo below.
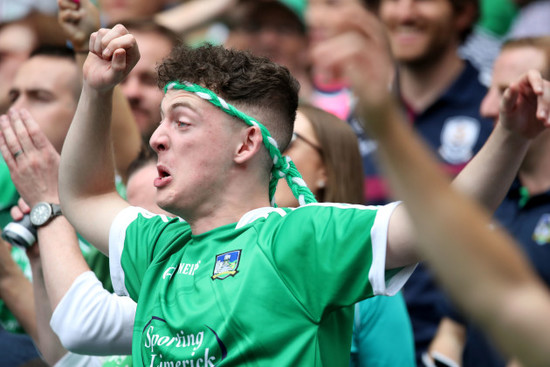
(43, 212)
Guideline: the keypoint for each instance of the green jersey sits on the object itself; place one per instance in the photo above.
(277, 288)
(8, 194)
(8, 198)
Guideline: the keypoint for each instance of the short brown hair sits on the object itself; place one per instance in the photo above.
(341, 157)
(256, 85)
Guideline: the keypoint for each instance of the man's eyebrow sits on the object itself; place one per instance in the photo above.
(178, 104)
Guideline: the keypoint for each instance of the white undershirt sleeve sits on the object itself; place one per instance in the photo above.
(90, 320)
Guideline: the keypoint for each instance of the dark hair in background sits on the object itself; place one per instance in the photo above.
(341, 157)
(261, 88)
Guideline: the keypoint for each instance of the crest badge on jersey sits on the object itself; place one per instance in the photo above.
(541, 234)
(226, 264)
(458, 138)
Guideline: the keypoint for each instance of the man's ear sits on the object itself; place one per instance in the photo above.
(250, 144)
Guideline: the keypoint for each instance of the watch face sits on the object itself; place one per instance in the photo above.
(40, 214)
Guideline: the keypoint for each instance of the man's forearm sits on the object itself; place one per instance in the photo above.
(46, 340)
(488, 176)
(62, 260)
(126, 137)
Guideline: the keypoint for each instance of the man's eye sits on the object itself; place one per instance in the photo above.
(182, 123)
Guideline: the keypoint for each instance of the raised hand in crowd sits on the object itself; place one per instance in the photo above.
(78, 20)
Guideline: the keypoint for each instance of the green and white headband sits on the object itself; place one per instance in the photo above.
(282, 165)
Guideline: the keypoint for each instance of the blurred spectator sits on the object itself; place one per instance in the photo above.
(11, 10)
(276, 30)
(48, 86)
(116, 11)
(329, 93)
(324, 150)
(140, 86)
(17, 40)
(525, 210)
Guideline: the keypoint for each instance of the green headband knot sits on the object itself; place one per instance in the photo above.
(282, 165)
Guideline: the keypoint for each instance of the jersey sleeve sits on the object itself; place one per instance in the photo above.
(138, 237)
(333, 255)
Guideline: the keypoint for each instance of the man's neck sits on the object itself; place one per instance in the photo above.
(225, 212)
(422, 84)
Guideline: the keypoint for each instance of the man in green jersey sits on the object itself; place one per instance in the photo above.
(234, 280)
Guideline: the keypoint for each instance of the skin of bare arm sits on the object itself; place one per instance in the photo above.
(79, 21)
(125, 133)
(47, 341)
(87, 167)
(481, 268)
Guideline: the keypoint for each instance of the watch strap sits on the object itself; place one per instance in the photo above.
(56, 210)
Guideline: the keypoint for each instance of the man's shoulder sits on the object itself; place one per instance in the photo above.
(310, 213)
(140, 223)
